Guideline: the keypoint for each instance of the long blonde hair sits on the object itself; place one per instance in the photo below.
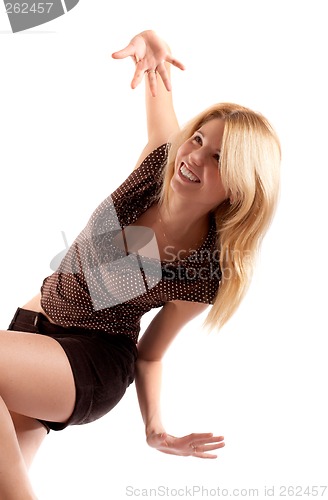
(249, 162)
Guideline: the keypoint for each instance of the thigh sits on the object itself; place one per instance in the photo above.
(36, 379)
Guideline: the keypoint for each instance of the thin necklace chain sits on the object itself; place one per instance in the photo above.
(197, 244)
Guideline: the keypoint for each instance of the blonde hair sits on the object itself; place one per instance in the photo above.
(249, 163)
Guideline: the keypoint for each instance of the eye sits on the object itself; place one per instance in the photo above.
(197, 138)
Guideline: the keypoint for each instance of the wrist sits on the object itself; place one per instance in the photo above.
(152, 429)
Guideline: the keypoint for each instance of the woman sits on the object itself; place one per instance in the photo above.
(180, 233)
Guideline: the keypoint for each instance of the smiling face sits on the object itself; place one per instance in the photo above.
(197, 166)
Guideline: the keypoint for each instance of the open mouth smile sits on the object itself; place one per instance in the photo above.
(187, 174)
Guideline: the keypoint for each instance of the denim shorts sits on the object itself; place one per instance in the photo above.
(103, 365)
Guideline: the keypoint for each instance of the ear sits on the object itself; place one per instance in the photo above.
(232, 198)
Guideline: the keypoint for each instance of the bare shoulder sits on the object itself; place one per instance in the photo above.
(173, 316)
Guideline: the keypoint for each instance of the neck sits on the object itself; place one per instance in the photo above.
(184, 221)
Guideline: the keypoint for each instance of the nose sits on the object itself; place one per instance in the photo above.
(197, 157)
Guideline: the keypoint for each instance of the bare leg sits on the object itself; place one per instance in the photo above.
(36, 381)
(14, 484)
(30, 434)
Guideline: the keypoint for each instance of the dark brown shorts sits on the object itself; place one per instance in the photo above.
(103, 365)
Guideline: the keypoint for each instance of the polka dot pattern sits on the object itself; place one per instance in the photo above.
(98, 286)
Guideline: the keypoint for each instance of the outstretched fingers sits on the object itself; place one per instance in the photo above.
(163, 73)
(175, 62)
(152, 78)
(148, 63)
(161, 70)
(138, 75)
(196, 444)
(129, 50)
(201, 446)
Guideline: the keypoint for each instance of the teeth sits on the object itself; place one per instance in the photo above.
(186, 173)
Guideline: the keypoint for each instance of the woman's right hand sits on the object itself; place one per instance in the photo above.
(150, 54)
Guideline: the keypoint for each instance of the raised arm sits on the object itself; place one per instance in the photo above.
(152, 57)
(151, 348)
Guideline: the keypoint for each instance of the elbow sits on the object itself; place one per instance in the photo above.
(144, 357)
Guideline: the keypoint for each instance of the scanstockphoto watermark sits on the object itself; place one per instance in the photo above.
(26, 14)
(208, 260)
(204, 254)
(196, 491)
(119, 265)
(189, 491)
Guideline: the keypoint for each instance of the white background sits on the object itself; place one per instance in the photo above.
(71, 130)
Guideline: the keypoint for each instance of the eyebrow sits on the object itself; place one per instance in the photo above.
(201, 133)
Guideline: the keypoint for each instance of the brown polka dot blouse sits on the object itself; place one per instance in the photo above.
(103, 284)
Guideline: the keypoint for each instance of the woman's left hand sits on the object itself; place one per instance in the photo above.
(195, 445)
